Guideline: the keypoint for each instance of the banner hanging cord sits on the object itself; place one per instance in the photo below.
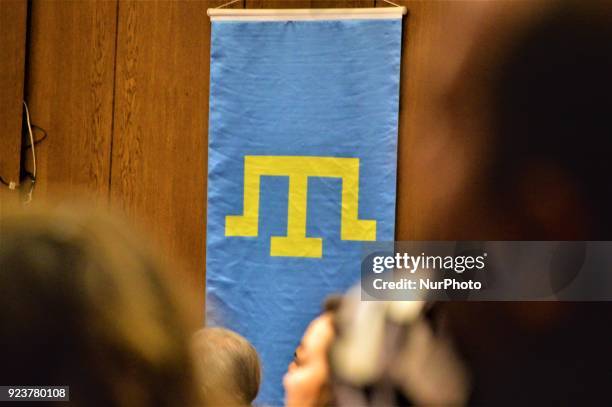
(392, 3)
(228, 3)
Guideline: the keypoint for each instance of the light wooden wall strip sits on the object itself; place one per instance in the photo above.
(159, 154)
(437, 37)
(70, 91)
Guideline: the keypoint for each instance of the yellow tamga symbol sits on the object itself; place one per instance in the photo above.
(298, 169)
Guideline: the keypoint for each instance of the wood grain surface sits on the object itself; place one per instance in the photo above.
(70, 93)
(309, 3)
(159, 164)
(13, 17)
(437, 36)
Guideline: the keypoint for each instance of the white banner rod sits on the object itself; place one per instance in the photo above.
(221, 14)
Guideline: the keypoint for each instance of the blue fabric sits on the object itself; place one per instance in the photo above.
(295, 88)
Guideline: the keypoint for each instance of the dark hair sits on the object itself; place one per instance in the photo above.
(552, 102)
(332, 303)
(83, 305)
(546, 88)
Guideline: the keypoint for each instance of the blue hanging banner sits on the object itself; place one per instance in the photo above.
(301, 166)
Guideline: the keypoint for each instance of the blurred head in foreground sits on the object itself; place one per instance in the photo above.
(528, 126)
(307, 381)
(531, 131)
(228, 368)
(83, 305)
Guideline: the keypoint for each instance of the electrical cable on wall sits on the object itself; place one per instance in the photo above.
(37, 141)
(8, 184)
(33, 147)
(33, 142)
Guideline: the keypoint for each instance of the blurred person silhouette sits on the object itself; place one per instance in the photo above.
(528, 146)
(307, 382)
(543, 176)
(227, 366)
(83, 305)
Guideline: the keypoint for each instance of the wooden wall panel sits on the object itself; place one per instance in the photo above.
(436, 37)
(13, 16)
(309, 3)
(70, 92)
(159, 162)
(9, 199)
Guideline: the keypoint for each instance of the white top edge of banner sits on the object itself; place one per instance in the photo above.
(379, 13)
